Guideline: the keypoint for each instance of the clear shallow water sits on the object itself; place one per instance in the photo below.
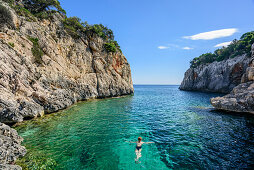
(187, 133)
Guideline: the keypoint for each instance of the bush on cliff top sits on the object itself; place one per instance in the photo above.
(76, 29)
(36, 8)
(236, 48)
(73, 26)
(110, 47)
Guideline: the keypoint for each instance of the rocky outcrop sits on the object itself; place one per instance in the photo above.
(219, 77)
(241, 99)
(69, 70)
(10, 147)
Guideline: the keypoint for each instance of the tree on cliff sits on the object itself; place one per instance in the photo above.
(37, 6)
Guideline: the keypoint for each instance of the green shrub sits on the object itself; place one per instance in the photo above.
(36, 50)
(236, 48)
(45, 14)
(11, 44)
(11, 2)
(37, 6)
(21, 11)
(110, 47)
(101, 30)
(73, 27)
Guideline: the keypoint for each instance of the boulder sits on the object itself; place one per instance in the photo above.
(10, 147)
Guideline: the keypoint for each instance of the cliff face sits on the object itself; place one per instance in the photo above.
(219, 77)
(241, 98)
(69, 70)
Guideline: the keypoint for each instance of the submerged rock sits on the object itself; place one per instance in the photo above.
(69, 70)
(10, 147)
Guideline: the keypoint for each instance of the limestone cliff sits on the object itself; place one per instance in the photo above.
(234, 74)
(70, 69)
(219, 77)
(241, 98)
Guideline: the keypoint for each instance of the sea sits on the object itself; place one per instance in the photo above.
(188, 133)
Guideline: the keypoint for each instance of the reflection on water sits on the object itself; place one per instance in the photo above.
(186, 131)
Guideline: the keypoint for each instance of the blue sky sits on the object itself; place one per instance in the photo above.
(160, 37)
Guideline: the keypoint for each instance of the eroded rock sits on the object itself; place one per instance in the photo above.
(10, 147)
(219, 77)
(241, 98)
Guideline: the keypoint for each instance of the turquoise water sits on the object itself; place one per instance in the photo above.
(187, 132)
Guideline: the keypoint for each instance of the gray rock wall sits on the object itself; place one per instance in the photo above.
(69, 71)
(241, 98)
(10, 147)
(219, 77)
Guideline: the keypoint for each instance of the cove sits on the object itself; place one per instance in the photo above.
(187, 132)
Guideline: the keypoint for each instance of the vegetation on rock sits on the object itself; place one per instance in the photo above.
(31, 9)
(73, 26)
(36, 50)
(39, 6)
(11, 44)
(76, 29)
(110, 47)
(36, 160)
(100, 30)
(236, 48)
(21, 11)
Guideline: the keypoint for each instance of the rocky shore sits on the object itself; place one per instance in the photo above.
(241, 98)
(10, 147)
(45, 68)
(234, 76)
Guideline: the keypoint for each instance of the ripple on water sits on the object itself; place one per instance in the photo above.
(187, 133)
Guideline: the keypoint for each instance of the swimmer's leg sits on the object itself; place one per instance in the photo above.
(138, 155)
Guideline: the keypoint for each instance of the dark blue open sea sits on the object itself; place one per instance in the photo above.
(187, 132)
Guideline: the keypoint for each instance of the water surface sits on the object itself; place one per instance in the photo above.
(187, 132)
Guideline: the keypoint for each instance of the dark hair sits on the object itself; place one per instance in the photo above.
(139, 138)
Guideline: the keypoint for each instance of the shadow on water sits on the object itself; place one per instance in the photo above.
(87, 158)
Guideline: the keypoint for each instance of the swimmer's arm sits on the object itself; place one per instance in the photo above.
(148, 142)
(130, 142)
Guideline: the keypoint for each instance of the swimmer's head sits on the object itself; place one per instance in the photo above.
(139, 139)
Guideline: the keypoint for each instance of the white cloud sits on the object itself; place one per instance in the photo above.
(225, 44)
(163, 47)
(187, 48)
(213, 34)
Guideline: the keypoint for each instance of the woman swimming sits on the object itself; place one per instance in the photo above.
(139, 148)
